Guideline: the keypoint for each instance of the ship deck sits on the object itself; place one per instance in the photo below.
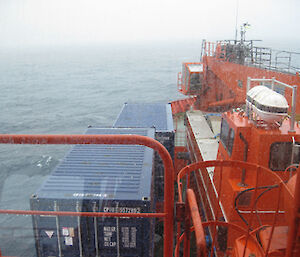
(206, 130)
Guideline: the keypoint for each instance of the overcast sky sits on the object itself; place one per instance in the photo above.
(51, 22)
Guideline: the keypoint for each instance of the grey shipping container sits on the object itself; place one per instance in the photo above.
(98, 178)
(159, 116)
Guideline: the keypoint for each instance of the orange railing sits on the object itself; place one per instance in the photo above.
(167, 215)
(183, 105)
(209, 48)
(193, 213)
(247, 237)
(179, 82)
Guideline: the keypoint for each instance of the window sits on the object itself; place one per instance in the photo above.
(230, 141)
(227, 136)
(224, 132)
(281, 155)
(194, 78)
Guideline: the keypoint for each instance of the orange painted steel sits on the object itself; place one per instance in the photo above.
(182, 105)
(168, 214)
(234, 77)
(218, 163)
(179, 82)
(187, 231)
(177, 253)
(199, 232)
(258, 170)
(224, 82)
(274, 220)
(224, 224)
(179, 163)
(250, 136)
(184, 81)
(252, 209)
(211, 223)
(223, 102)
(294, 225)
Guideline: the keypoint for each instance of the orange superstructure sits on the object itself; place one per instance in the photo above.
(244, 176)
(220, 82)
(252, 186)
(278, 236)
(242, 140)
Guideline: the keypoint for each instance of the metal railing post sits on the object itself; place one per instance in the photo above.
(248, 84)
(293, 113)
(273, 83)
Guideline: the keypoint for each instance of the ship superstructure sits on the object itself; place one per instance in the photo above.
(244, 162)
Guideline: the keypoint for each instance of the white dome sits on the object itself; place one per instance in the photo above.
(267, 97)
(268, 104)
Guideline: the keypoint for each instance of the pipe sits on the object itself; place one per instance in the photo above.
(294, 222)
(199, 231)
(293, 113)
(223, 102)
(242, 183)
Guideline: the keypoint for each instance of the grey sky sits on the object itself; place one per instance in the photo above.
(25, 22)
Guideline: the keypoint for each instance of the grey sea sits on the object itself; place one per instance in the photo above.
(63, 90)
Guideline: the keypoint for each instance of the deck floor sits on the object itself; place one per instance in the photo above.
(206, 135)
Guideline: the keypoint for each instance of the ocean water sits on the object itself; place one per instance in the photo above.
(62, 90)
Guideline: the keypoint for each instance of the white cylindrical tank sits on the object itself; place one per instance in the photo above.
(269, 105)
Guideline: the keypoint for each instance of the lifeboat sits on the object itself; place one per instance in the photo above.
(269, 105)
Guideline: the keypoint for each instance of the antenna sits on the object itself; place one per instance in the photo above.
(244, 28)
(236, 20)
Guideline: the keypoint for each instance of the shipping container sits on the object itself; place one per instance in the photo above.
(98, 178)
(159, 116)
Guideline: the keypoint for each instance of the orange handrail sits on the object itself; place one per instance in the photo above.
(179, 82)
(184, 173)
(199, 232)
(219, 163)
(292, 249)
(168, 214)
(207, 224)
